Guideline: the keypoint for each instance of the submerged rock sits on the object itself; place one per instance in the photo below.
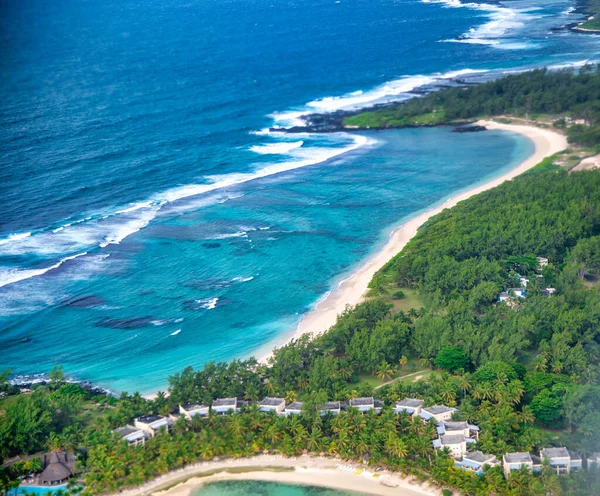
(84, 301)
(132, 323)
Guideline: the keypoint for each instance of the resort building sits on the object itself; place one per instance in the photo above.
(152, 424)
(57, 470)
(464, 428)
(131, 434)
(548, 291)
(542, 261)
(409, 405)
(225, 405)
(475, 461)
(276, 405)
(437, 412)
(456, 443)
(524, 281)
(511, 294)
(294, 408)
(560, 459)
(192, 409)
(333, 407)
(514, 461)
(366, 404)
(594, 459)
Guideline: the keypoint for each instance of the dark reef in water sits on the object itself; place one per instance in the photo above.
(132, 323)
(211, 245)
(84, 301)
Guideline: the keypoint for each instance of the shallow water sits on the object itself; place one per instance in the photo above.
(263, 488)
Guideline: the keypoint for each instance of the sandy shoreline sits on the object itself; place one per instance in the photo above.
(304, 470)
(351, 290)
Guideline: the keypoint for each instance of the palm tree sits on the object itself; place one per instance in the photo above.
(290, 396)
(403, 361)
(385, 371)
(464, 383)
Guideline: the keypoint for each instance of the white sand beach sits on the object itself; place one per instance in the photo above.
(304, 470)
(351, 290)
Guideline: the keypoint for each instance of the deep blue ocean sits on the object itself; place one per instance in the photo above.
(148, 218)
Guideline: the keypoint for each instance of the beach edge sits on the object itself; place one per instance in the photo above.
(351, 290)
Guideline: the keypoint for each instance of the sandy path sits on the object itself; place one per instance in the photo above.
(351, 290)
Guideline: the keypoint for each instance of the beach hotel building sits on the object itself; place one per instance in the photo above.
(515, 461)
(333, 407)
(456, 443)
(409, 405)
(276, 405)
(192, 409)
(225, 405)
(475, 461)
(437, 412)
(464, 428)
(152, 424)
(131, 434)
(366, 404)
(294, 408)
(561, 459)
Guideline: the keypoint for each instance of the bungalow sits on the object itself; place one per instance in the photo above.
(594, 459)
(57, 471)
(524, 281)
(514, 461)
(222, 406)
(464, 428)
(548, 291)
(542, 261)
(192, 409)
(276, 405)
(152, 424)
(294, 408)
(363, 404)
(560, 459)
(437, 412)
(475, 461)
(131, 434)
(411, 406)
(456, 443)
(333, 407)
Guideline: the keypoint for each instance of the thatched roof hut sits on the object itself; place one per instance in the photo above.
(56, 472)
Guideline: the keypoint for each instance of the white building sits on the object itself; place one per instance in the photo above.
(561, 459)
(515, 461)
(456, 443)
(152, 424)
(222, 406)
(411, 406)
(194, 409)
(475, 461)
(294, 408)
(276, 405)
(131, 434)
(332, 407)
(542, 261)
(464, 428)
(363, 404)
(437, 412)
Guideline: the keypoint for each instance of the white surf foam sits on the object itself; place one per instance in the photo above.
(11, 276)
(502, 21)
(176, 332)
(208, 303)
(14, 237)
(242, 279)
(276, 148)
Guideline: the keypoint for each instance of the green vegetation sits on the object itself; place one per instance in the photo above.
(516, 372)
(591, 7)
(553, 93)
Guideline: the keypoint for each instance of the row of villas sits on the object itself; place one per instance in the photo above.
(456, 436)
(512, 295)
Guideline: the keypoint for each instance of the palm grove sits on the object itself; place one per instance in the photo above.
(526, 374)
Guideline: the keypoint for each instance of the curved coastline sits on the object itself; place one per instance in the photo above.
(351, 290)
(303, 471)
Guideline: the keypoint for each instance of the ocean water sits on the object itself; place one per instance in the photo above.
(264, 488)
(148, 218)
